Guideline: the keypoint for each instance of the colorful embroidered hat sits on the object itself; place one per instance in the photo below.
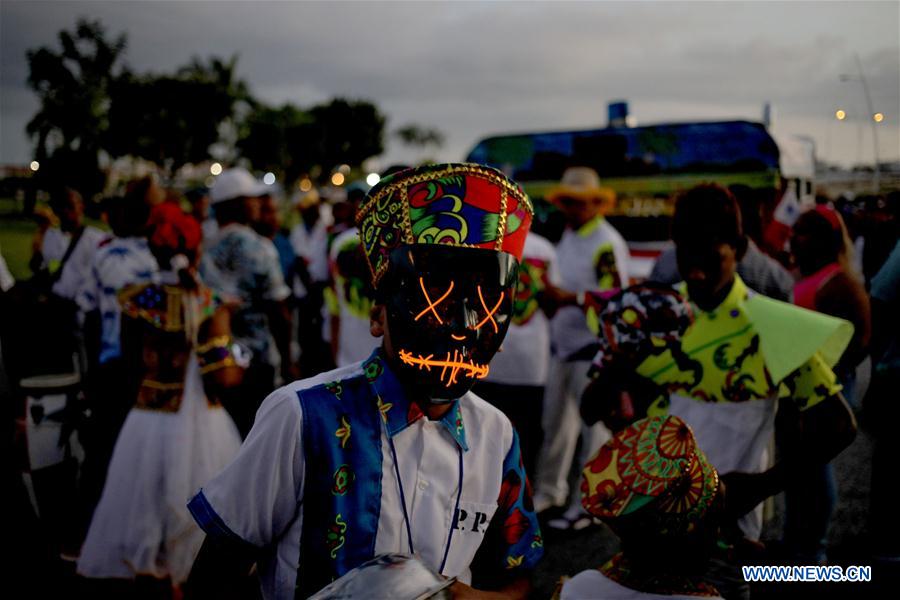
(460, 204)
(636, 321)
(653, 468)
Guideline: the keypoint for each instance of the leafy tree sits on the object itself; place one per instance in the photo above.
(173, 120)
(345, 131)
(73, 87)
(294, 141)
(274, 139)
(419, 136)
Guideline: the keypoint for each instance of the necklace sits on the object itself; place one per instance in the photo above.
(459, 486)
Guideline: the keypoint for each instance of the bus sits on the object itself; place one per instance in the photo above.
(645, 166)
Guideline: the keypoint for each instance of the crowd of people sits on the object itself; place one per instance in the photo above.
(393, 372)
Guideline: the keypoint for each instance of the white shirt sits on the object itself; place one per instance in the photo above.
(355, 340)
(593, 258)
(259, 496)
(312, 246)
(6, 278)
(525, 356)
(78, 267)
(121, 262)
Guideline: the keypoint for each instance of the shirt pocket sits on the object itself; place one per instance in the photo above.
(468, 525)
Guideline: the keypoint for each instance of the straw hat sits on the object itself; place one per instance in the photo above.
(582, 183)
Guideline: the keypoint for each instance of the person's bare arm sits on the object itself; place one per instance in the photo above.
(844, 297)
(218, 327)
(517, 589)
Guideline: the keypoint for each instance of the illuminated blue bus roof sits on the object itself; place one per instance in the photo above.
(664, 149)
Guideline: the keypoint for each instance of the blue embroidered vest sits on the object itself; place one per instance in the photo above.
(342, 427)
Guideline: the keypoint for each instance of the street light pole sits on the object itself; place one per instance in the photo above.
(876, 179)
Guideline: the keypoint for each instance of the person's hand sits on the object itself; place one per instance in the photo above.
(461, 591)
(552, 298)
(742, 492)
(608, 403)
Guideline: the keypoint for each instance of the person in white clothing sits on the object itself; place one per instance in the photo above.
(592, 257)
(743, 359)
(178, 354)
(309, 239)
(518, 374)
(243, 269)
(394, 454)
(66, 254)
(350, 301)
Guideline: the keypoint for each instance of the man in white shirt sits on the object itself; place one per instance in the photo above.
(394, 454)
(67, 253)
(309, 239)
(242, 267)
(350, 301)
(119, 261)
(592, 257)
(518, 374)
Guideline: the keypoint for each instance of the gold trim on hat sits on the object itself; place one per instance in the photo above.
(402, 186)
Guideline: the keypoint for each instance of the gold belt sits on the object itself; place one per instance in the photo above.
(164, 397)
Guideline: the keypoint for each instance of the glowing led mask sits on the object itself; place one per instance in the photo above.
(448, 312)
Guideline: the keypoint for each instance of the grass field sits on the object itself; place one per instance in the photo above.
(16, 232)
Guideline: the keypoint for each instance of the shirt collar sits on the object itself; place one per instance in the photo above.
(588, 228)
(396, 410)
(732, 302)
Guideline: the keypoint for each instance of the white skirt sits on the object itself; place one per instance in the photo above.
(141, 525)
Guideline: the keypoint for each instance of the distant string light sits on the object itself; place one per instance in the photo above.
(305, 184)
(840, 115)
(35, 165)
(337, 179)
(215, 168)
(878, 117)
(269, 178)
(373, 178)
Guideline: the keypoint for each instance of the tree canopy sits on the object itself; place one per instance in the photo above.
(73, 85)
(93, 105)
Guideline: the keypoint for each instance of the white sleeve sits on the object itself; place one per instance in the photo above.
(88, 296)
(258, 495)
(623, 260)
(269, 272)
(553, 274)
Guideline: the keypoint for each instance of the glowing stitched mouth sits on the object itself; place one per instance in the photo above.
(450, 366)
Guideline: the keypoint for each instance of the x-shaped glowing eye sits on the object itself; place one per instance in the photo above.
(431, 304)
(490, 312)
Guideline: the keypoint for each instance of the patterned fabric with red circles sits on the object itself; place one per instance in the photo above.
(654, 463)
(460, 204)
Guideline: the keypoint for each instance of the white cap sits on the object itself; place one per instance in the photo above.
(236, 183)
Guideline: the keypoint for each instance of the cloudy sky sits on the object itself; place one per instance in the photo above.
(475, 68)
